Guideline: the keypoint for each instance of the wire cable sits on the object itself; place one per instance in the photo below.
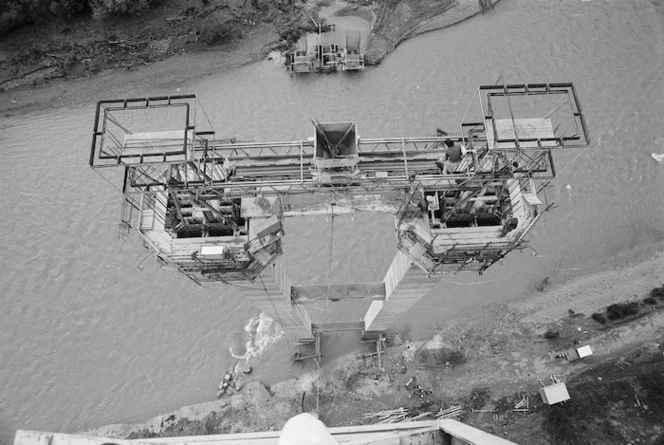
(583, 150)
(205, 114)
(276, 312)
(140, 265)
(329, 268)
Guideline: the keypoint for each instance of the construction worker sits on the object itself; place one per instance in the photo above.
(454, 153)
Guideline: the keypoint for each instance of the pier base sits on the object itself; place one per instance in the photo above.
(405, 285)
(272, 290)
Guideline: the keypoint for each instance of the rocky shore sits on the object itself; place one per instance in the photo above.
(480, 371)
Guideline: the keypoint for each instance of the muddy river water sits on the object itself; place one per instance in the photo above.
(88, 337)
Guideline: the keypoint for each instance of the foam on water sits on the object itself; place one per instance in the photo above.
(263, 331)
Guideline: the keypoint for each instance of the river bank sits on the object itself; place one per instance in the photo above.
(485, 367)
(96, 60)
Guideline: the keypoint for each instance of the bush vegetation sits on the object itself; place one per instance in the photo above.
(599, 318)
(657, 292)
(16, 13)
(215, 29)
(621, 310)
(121, 7)
(479, 397)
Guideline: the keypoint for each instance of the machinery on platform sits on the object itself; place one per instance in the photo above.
(352, 55)
(214, 208)
(315, 52)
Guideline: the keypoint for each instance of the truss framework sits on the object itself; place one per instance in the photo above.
(509, 144)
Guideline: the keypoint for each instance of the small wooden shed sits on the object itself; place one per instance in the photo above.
(555, 393)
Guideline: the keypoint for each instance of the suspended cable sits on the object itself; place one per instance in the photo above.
(318, 385)
(274, 306)
(583, 150)
(115, 121)
(472, 99)
(329, 269)
(558, 105)
(142, 363)
(140, 265)
(509, 105)
(205, 114)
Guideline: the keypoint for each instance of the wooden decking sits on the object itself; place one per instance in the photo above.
(508, 131)
(156, 142)
(355, 291)
(426, 432)
(183, 248)
(467, 238)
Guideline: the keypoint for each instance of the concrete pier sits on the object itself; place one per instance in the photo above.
(272, 289)
(405, 285)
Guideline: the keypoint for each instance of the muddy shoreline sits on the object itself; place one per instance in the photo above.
(161, 64)
(485, 367)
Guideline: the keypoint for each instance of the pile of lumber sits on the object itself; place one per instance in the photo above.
(394, 416)
(386, 416)
(453, 412)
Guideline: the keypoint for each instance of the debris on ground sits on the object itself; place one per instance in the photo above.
(453, 412)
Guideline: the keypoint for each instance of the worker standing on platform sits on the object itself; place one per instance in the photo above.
(454, 153)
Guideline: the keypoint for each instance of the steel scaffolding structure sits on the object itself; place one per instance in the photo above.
(214, 207)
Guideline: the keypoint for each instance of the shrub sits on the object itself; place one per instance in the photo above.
(551, 334)
(67, 8)
(559, 423)
(620, 310)
(657, 292)
(504, 404)
(12, 16)
(479, 397)
(599, 318)
(121, 7)
(650, 300)
(16, 13)
(214, 29)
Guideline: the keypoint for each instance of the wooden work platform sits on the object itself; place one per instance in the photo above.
(468, 238)
(529, 132)
(338, 326)
(183, 248)
(156, 142)
(321, 204)
(334, 292)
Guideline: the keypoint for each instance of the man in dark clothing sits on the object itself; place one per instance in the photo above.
(453, 155)
(453, 151)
